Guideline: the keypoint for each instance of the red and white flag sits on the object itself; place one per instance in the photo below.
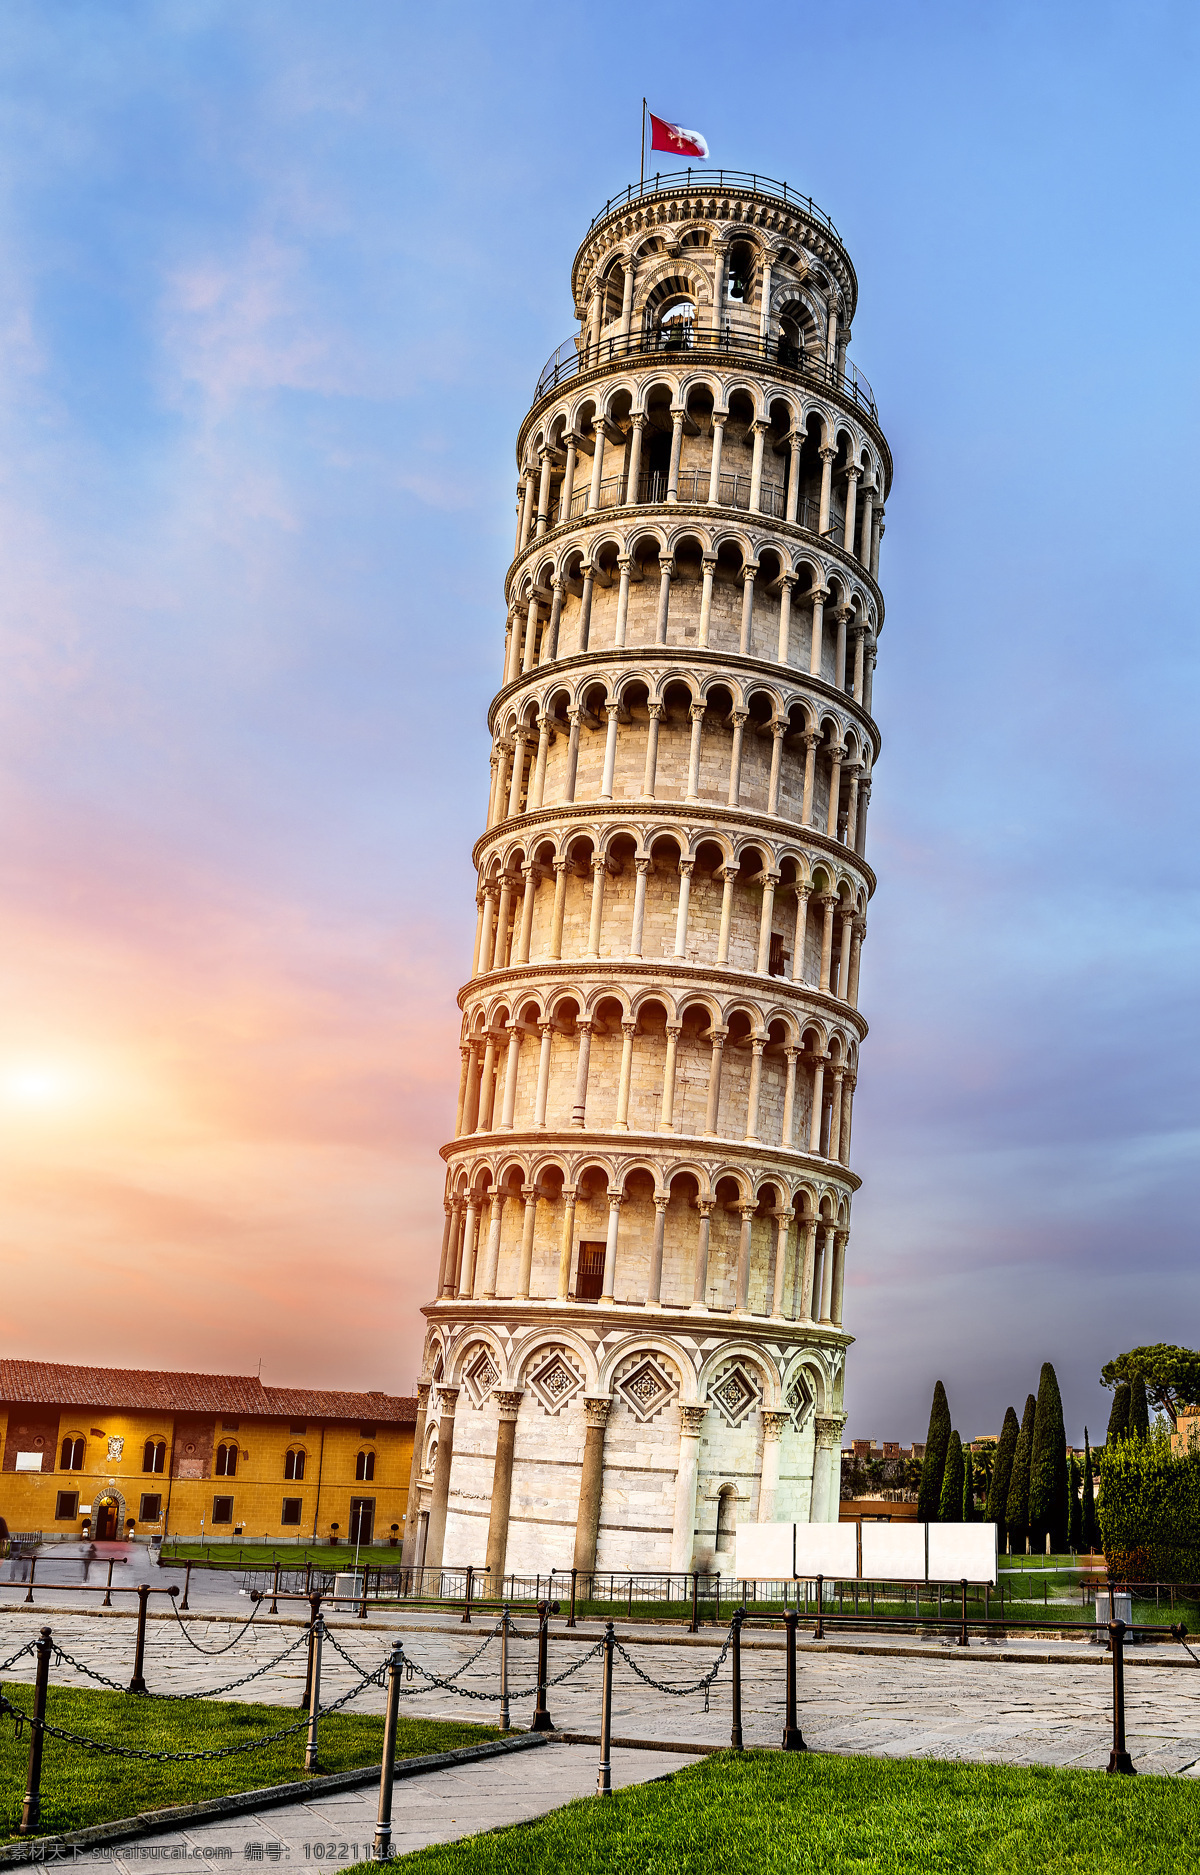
(665, 136)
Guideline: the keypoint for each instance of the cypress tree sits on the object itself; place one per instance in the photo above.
(937, 1444)
(1016, 1507)
(1088, 1531)
(1002, 1475)
(1048, 1466)
(950, 1509)
(1139, 1411)
(1118, 1418)
(968, 1496)
(1074, 1508)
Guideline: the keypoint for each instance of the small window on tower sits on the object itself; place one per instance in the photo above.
(777, 966)
(590, 1280)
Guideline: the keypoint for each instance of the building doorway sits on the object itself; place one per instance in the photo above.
(589, 1279)
(362, 1520)
(108, 1527)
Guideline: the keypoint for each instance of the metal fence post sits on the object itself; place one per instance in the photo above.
(504, 1714)
(32, 1572)
(138, 1683)
(466, 1613)
(274, 1608)
(819, 1630)
(107, 1602)
(187, 1582)
(793, 1738)
(362, 1603)
(695, 1627)
(962, 1640)
(1120, 1763)
(735, 1735)
(381, 1848)
(314, 1700)
(571, 1616)
(542, 1722)
(314, 1604)
(31, 1812)
(604, 1779)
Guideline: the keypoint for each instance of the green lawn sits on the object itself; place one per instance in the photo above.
(81, 1787)
(265, 1556)
(765, 1812)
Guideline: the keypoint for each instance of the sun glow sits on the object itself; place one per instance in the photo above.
(41, 1086)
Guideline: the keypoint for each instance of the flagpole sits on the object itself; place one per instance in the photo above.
(642, 181)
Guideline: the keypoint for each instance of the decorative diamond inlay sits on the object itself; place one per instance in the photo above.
(646, 1388)
(735, 1394)
(800, 1401)
(481, 1375)
(556, 1382)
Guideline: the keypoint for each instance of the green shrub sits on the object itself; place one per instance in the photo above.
(1016, 1510)
(937, 1444)
(1048, 1467)
(1150, 1510)
(1118, 1417)
(1090, 1529)
(1074, 1508)
(1002, 1475)
(1139, 1408)
(951, 1501)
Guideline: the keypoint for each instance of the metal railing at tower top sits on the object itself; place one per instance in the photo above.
(582, 354)
(716, 182)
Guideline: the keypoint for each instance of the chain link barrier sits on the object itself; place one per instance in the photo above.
(205, 1692)
(676, 1691)
(21, 1718)
(212, 1652)
(514, 1692)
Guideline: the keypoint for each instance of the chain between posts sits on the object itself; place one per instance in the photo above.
(676, 1691)
(208, 1692)
(7, 1709)
(212, 1652)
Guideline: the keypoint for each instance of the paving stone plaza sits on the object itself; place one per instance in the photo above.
(1015, 1702)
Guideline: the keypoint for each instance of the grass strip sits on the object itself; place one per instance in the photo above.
(80, 1787)
(766, 1812)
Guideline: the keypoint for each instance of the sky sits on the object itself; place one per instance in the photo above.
(276, 282)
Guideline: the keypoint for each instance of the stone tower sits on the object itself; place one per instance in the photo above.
(637, 1340)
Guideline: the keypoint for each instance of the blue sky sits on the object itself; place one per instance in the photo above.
(276, 284)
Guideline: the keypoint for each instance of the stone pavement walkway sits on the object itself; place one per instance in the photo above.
(438, 1806)
(990, 1703)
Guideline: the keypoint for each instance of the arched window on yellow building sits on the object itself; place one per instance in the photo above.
(72, 1454)
(227, 1458)
(293, 1464)
(364, 1467)
(154, 1455)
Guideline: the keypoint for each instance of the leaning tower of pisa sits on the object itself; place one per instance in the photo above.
(637, 1340)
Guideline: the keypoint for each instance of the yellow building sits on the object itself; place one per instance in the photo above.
(109, 1452)
(1186, 1436)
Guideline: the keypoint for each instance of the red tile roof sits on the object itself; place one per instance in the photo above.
(50, 1383)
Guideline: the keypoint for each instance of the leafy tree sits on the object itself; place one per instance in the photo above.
(950, 1508)
(983, 1464)
(1048, 1466)
(1139, 1409)
(1074, 1508)
(1016, 1507)
(1171, 1376)
(937, 1444)
(1118, 1418)
(968, 1495)
(1090, 1529)
(1002, 1474)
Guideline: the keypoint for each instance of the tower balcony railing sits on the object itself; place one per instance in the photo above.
(682, 335)
(716, 182)
(692, 487)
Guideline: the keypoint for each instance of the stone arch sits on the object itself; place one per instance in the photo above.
(748, 1353)
(665, 1347)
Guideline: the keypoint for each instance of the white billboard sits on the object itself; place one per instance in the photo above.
(962, 1549)
(764, 1550)
(893, 1552)
(827, 1549)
